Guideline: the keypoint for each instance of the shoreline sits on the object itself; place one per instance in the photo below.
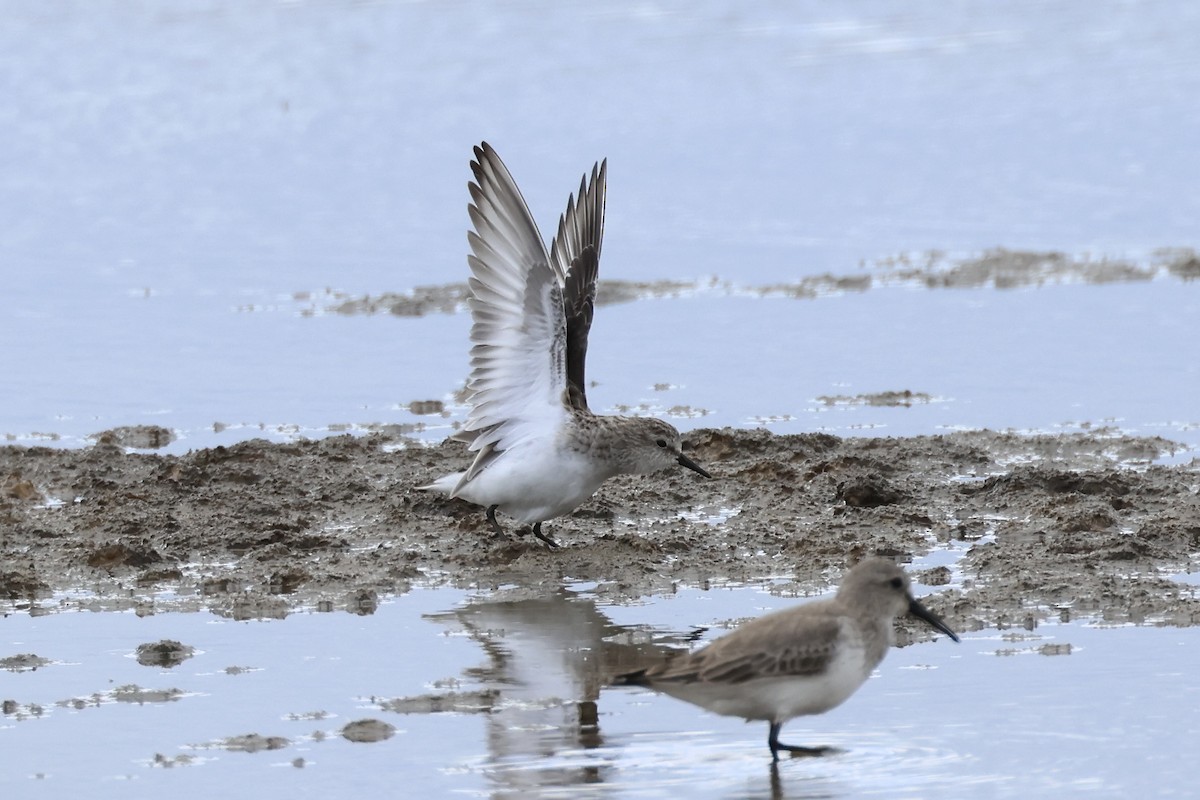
(1048, 526)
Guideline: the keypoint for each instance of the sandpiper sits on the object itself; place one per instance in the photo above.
(803, 660)
(540, 450)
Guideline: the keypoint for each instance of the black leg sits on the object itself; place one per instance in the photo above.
(491, 515)
(537, 531)
(796, 750)
(537, 527)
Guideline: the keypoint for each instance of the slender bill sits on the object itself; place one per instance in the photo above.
(921, 612)
(692, 465)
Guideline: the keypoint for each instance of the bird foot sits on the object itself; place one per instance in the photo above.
(799, 751)
(537, 531)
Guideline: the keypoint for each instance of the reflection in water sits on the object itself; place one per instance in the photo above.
(548, 659)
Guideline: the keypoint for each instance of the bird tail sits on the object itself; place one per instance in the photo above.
(445, 484)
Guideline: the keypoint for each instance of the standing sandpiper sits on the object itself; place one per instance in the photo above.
(798, 661)
(540, 451)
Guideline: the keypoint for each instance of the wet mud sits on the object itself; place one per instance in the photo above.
(1063, 526)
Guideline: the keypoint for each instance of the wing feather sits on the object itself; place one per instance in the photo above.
(575, 257)
(787, 645)
(518, 359)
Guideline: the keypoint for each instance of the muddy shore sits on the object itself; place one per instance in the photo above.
(1069, 526)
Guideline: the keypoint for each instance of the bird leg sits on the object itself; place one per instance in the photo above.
(491, 515)
(499, 531)
(537, 531)
(796, 750)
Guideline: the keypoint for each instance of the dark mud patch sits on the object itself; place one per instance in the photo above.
(1064, 525)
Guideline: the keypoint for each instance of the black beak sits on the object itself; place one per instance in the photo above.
(921, 612)
(692, 465)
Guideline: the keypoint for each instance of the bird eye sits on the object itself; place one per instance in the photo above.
(661, 442)
(896, 583)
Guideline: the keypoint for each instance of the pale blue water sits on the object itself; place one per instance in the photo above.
(173, 175)
(995, 716)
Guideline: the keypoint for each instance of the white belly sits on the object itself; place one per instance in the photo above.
(535, 483)
(778, 699)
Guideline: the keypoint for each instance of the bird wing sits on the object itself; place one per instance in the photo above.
(793, 645)
(519, 331)
(575, 257)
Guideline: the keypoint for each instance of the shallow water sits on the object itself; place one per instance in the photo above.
(181, 187)
(1005, 713)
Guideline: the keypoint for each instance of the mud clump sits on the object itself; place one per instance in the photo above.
(118, 554)
(868, 492)
(456, 702)
(1086, 524)
(251, 743)
(16, 487)
(23, 662)
(368, 730)
(166, 653)
(21, 585)
(140, 437)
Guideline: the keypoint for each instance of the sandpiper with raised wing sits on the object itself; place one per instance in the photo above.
(540, 451)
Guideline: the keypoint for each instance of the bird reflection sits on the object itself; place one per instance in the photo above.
(547, 658)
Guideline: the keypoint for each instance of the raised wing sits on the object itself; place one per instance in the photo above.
(575, 257)
(518, 359)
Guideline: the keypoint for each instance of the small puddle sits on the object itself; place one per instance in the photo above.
(508, 694)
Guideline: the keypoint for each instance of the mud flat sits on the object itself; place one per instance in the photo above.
(1061, 526)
